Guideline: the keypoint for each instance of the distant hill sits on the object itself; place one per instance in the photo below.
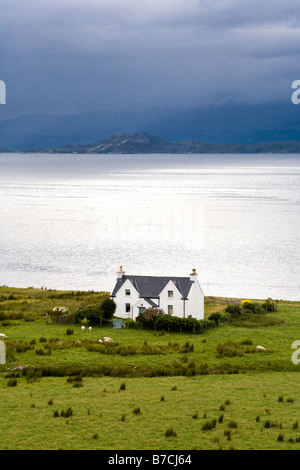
(217, 124)
(142, 142)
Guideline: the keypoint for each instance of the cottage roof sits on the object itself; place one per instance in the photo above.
(151, 286)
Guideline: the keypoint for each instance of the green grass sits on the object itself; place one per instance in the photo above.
(100, 412)
(247, 389)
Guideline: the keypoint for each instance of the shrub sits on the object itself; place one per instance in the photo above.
(230, 349)
(170, 433)
(149, 316)
(12, 383)
(42, 352)
(208, 425)
(23, 347)
(271, 424)
(77, 385)
(108, 308)
(247, 305)
(232, 424)
(268, 306)
(67, 413)
(216, 317)
(247, 342)
(234, 310)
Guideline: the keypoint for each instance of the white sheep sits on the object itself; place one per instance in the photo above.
(60, 309)
(100, 341)
(2, 335)
(82, 328)
(260, 348)
(90, 329)
(107, 340)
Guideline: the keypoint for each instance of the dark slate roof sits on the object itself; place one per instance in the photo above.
(150, 302)
(151, 286)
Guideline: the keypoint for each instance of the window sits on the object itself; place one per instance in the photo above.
(127, 291)
(170, 293)
(142, 309)
(170, 309)
(127, 308)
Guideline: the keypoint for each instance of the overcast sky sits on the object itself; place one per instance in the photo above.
(64, 56)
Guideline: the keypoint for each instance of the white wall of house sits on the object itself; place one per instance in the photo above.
(174, 301)
(194, 306)
(123, 300)
(128, 302)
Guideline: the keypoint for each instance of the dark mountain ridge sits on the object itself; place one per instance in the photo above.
(143, 143)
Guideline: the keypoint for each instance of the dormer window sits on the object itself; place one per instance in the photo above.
(127, 291)
(170, 293)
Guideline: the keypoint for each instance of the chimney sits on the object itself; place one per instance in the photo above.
(120, 273)
(193, 275)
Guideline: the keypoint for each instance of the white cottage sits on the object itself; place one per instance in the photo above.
(178, 296)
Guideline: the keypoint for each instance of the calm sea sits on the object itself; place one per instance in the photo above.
(70, 221)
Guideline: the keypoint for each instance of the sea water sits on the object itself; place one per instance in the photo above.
(69, 221)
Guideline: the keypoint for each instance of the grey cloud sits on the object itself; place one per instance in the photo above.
(72, 55)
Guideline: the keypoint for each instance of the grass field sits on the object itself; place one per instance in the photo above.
(60, 391)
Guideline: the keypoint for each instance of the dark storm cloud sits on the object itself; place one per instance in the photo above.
(73, 55)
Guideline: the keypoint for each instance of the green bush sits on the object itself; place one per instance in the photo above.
(230, 349)
(170, 433)
(268, 306)
(232, 424)
(208, 425)
(96, 313)
(234, 310)
(12, 383)
(148, 317)
(216, 317)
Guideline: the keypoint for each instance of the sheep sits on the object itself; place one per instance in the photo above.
(2, 335)
(90, 329)
(60, 309)
(260, 348)
(108, 340)
(100, 341)
(82, 328)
